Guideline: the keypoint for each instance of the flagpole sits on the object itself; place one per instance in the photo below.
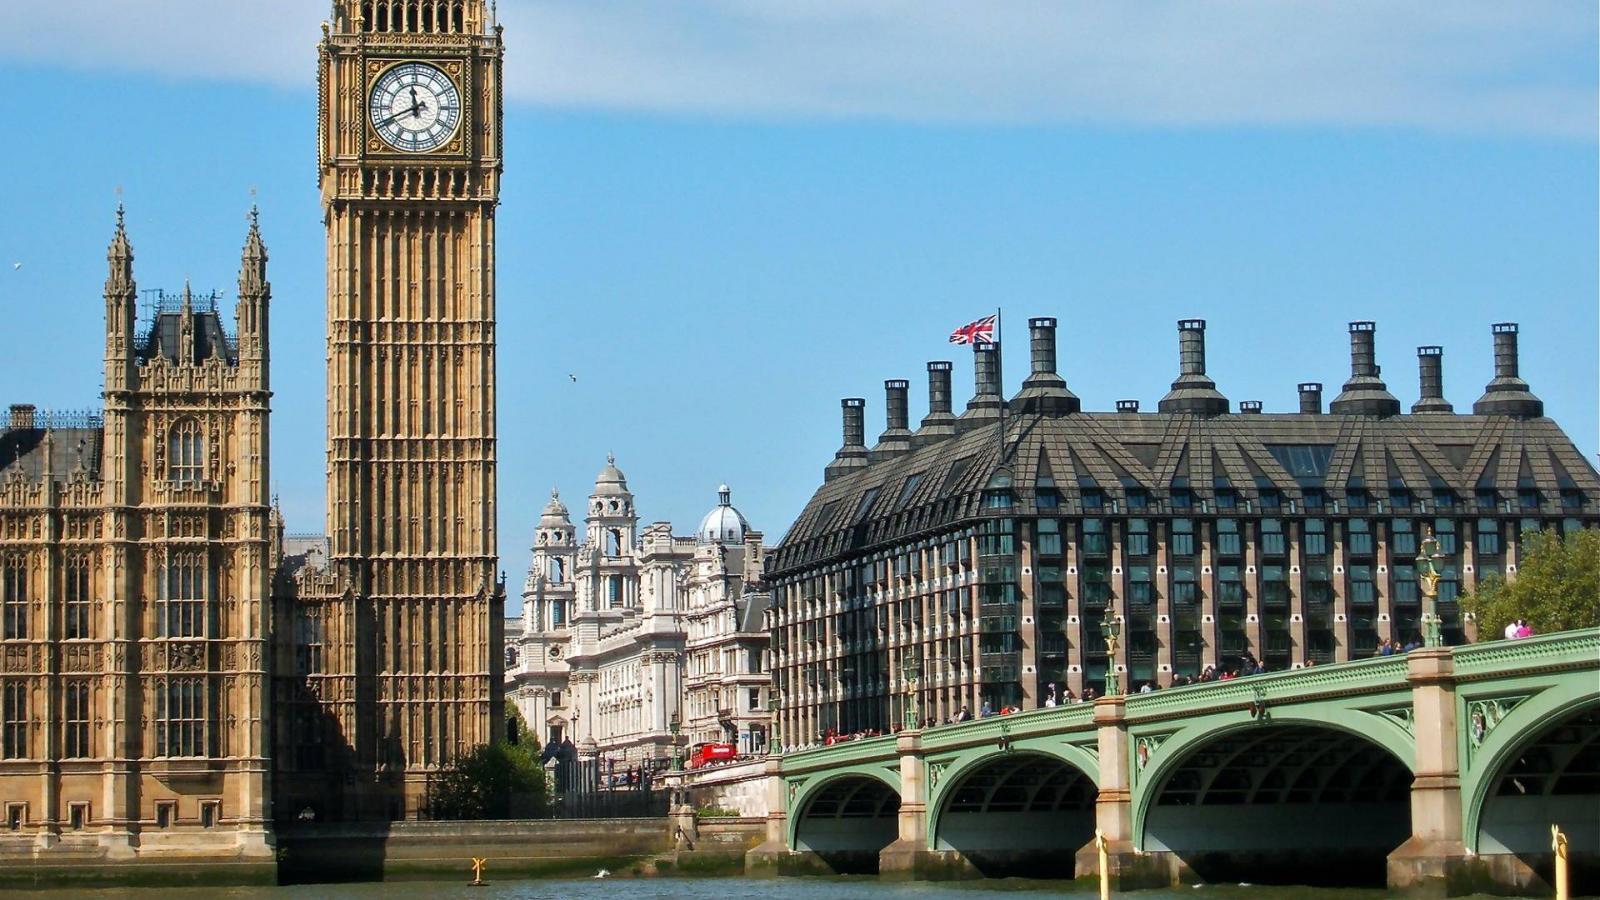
(1000, 380)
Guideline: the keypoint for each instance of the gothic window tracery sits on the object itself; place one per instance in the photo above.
(186, 452)
(14, 595)
(184, 596)
(181, 717)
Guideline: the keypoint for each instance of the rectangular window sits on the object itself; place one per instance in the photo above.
(1488, 537)
(16, 815)
(75, 725)
(1445, 531)
(1140, 590)
(1403, 537)
(1228, 542)
(166, 813)
(308, 642)
(1404, 583)
(184, 596)
(1230, 586)
(77, 596)
(1318, 584)
(1274, 586)
(1096, 584)
(1182, 537)
(14, 595)
(1049, 537)
(1315, 542)
(210, 813)
(1138, 537)
(1272, 543)
(181, 718)
(1362, 592)
(1094, 537)
(77, 816)
(14, 720)
(1184, 592)
(1359, 538)
(186, 453)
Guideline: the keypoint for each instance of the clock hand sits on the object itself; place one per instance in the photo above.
(397, 115)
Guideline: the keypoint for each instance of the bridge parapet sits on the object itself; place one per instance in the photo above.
(1363, 676)
(1543, 653)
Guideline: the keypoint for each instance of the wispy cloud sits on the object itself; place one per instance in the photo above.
(1477, 66)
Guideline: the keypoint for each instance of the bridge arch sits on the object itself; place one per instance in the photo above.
(1316, 796)
(1538, 764)
(846, 818)
(1021, 812)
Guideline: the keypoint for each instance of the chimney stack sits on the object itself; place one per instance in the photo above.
(1430, 375)
(1507, 394)
(1044, 391)
(1193, 393)
(1364, 394)
(938, 423)
(853, 455)
(1249, 407)
(896, 438)
(1310, 398)
(22, 415)
(984, 407)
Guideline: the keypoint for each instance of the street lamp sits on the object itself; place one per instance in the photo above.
(773, 744)
(674, 726)
(1428, 559)
(1111, 629)
(911, 672)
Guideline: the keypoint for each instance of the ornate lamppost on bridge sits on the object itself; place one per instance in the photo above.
(674, 725)
(1428, 559)
(1111, 629)
(910, 671)
(774, 747)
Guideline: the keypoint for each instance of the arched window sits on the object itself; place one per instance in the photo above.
(613, 542)
(75, 728)
(184, 595)
(181, 717)
(558, 571)
(14, 721)
(511, 657)
(186, 452)
(14, 595)
(77, 590)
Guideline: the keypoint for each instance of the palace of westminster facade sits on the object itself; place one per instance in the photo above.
(174, 679)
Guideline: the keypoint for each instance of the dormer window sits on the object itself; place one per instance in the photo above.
(186, 453)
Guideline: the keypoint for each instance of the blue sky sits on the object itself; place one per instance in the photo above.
(724, 215)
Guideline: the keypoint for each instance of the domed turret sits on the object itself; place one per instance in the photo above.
(555, 512)
(724, 524)
(610, 481)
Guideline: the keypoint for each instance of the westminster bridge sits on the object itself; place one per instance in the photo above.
(1441, 770)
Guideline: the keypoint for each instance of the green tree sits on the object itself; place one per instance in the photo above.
(493, 781)
(1557, 587)
(517, 730)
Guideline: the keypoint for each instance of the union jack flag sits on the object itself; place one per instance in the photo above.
(979, 332)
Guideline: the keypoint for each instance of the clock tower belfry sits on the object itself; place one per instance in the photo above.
(409, 155)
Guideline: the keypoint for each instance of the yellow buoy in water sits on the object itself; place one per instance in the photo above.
(1105, 864)
(1558, 843)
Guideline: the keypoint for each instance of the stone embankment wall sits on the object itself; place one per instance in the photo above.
(738, 788)
(514, 849)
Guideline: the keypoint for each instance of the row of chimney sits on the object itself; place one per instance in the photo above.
(1194, 393)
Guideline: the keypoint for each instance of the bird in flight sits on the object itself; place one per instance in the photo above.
(573, 377)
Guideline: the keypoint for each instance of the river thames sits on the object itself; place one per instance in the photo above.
(701, 889)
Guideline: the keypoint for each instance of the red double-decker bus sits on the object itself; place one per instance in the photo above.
(707, 754)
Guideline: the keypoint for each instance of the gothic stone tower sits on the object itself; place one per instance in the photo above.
(135, 561)
(410, 161)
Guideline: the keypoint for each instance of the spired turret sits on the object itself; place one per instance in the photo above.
(121, 295)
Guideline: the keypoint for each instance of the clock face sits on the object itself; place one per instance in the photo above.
(415, 107)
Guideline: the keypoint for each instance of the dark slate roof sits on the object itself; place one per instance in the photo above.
(23, 449)
(936, 486)
(164, 338)
(752, 609)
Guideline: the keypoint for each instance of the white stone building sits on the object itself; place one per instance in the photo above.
(625, 633)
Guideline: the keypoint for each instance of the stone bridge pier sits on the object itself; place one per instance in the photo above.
(1436, 773)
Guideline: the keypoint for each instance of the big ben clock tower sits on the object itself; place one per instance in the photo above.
(409, 615)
